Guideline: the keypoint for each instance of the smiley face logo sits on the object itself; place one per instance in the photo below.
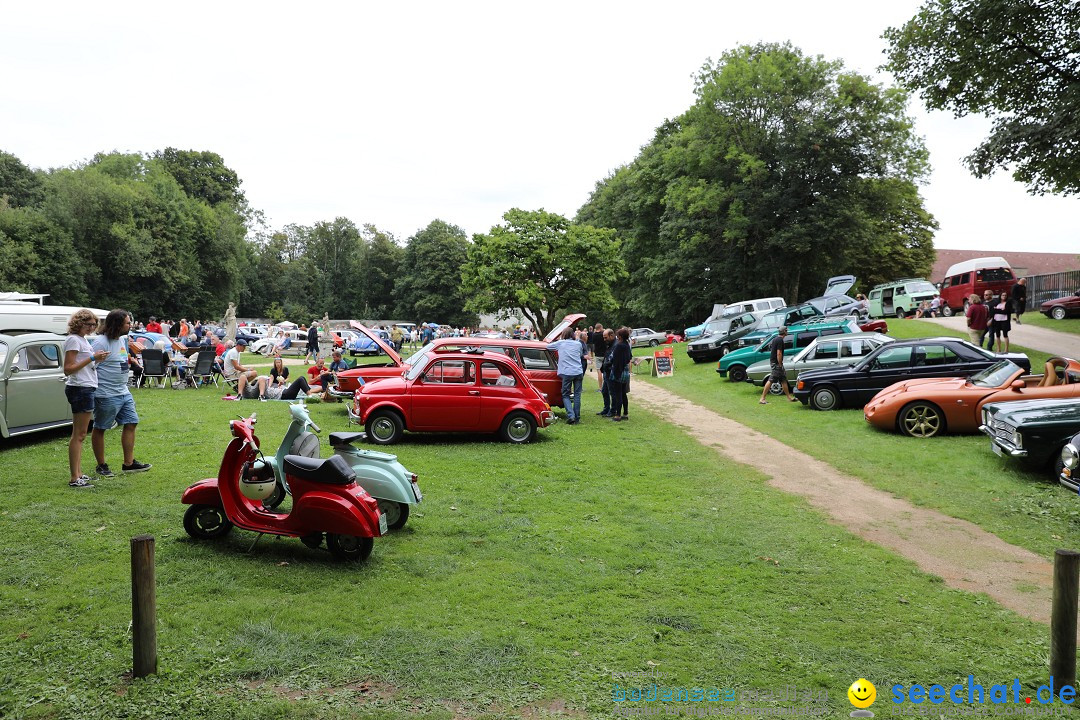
(862, 693)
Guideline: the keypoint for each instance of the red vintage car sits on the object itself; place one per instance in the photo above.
(539, 363)
(453, 391)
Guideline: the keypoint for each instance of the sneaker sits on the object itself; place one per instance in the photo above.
(82, 481)
(262, 399)
(136, 466)
(103, 471)
(604, 414)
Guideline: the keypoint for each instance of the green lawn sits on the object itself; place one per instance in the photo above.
(529, 576)
(957, 475)
(1068, 325)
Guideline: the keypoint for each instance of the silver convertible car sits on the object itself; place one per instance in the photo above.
(32, 384)
(826, 351)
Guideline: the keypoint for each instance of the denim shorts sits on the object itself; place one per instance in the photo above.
(119, 410)
(80, 398)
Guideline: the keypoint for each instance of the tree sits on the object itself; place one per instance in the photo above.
(19, 185)
(380, 273)
(1015, 60)
(429, 283)
(543, 265)
(786, 170)
(203, 175)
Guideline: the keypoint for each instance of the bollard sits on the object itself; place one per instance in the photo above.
(144, 606)
(1063, 617)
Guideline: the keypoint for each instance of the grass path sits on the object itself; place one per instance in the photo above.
(964, 555)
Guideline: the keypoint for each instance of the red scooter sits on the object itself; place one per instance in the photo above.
(326, 499)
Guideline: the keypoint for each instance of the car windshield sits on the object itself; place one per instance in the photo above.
(772, 320)
(920, 287)
(995, 375)
(419, 355)
(717, 327)
(413, 372)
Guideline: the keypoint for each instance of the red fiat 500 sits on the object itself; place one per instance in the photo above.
(453, 391)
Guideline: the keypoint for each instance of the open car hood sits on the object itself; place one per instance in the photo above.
(557, 331)
(390, 352)
(839, 285)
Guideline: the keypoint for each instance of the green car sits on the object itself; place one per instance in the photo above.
(734, 364)
(1035, 431)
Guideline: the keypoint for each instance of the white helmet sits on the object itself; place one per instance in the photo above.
(257, 481)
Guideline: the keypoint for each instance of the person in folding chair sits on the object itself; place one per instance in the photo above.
(234, 371)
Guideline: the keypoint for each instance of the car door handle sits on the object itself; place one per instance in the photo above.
(474, 392)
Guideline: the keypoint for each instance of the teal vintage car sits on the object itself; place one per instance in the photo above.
(1034, 431)
(32, 384)
(734, 364)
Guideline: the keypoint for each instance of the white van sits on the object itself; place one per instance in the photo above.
(758, 306)
(21, 316)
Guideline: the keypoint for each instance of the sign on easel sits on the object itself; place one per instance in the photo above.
(663, 363)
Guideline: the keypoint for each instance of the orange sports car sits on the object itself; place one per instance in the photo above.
(926, 408)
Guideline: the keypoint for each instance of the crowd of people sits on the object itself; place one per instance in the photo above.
(989, 318)
(608, 352)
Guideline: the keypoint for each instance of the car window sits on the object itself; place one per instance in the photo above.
(928, 355)
(997, 275)
(496, 374)
(855, 348)
(832, 331)
(804, 338)
(508, 352)
(897, 357)
(833, 303)
(3, 353)
(536, 359)
(37, 357)
(827, 351)
(456, 372)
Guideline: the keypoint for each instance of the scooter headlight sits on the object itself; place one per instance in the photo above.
(1070, 456)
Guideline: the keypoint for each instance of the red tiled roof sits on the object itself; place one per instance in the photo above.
(1023, 263)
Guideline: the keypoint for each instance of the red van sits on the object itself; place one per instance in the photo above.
(973, 277)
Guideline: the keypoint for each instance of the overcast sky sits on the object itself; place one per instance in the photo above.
(399, 113)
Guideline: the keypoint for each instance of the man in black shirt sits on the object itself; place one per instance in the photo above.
(600, 348)
(1019, 298)
(776, 365)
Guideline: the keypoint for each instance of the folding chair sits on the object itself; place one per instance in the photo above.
(204, 369)
(153, 362)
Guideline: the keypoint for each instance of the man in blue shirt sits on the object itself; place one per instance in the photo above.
(113, 404)
(571, 352)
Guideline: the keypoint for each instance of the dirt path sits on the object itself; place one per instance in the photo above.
(1054, 342)
(962, 554)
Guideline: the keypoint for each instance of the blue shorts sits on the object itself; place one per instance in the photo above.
(118, 410)
(80, 398)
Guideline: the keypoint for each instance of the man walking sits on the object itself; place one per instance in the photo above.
(1019, 298)
(312, 342)
(571, 352)
(776, 366)
(113, 403)
(977, 315)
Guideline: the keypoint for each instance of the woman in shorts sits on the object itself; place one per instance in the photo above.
(81, 382)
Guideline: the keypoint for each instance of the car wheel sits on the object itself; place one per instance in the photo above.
(946, 311)
(397, 514)
(737, 373)
(824, 398)
(654, 343)
(1058, 313)
(349, 547)
(724, 350)
(205, 522)
(384, 427)
(900, 314)
(518, 427)
(922, 420)
(775, 388)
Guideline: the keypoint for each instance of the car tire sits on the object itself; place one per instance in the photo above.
(654, 343)
(518, 427)
(946, 311)
(384, 427)
(900, 314)
(825, 398)
(1058, 313)
(737, 373)
(724, 350)
(921, 420)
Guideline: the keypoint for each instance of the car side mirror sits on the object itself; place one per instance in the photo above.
(1018, 385)
(15, 369)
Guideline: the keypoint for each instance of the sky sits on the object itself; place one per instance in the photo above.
(397, 114)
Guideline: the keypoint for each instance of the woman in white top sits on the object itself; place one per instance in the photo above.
(81, 384)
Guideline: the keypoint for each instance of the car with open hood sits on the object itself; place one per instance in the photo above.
(823, 352)
(835, 302)
(1034, 432)
(453, 390)
(932, 406)
(904, 360)
(539, 364)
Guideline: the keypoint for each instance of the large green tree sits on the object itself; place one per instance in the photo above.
(1017, 61)
(542, 265)
(19, 185)
(429, 285)
(786, 170)
(380, 274)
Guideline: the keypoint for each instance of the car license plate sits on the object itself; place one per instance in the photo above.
(416, 491)
(996, 449)
(382, 524)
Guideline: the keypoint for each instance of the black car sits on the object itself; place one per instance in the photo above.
(854, 385)
(721, 336)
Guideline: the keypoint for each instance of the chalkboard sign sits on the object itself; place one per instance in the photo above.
(662, 365)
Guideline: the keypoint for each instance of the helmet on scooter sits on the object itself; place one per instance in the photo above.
(257, 481)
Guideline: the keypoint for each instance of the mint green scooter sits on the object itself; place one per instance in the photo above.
(379, 473)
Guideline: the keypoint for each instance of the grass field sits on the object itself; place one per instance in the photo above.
(1068, 325)
(526, 579)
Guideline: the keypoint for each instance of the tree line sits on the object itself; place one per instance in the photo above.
(785, 170)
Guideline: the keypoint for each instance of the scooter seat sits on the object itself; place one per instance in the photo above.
(331, 471)
(340, 439)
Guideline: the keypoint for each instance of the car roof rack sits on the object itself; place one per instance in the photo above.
(894, 282)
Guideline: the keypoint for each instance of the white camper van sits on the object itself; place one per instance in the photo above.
(24, 313)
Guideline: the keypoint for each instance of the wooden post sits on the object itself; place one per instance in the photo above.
(144, 606)
(1063, 617)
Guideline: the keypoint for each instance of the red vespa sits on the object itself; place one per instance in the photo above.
(326, 499)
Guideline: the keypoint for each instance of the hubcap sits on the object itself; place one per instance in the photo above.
(209, 519)
(825, 400)
(391, 510)
(383, 428)
(922, 422)
(776, 388)
(518, 429)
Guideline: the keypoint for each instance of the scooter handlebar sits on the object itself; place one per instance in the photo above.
(314, 427)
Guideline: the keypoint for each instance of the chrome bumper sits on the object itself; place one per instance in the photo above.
(1006, 447)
